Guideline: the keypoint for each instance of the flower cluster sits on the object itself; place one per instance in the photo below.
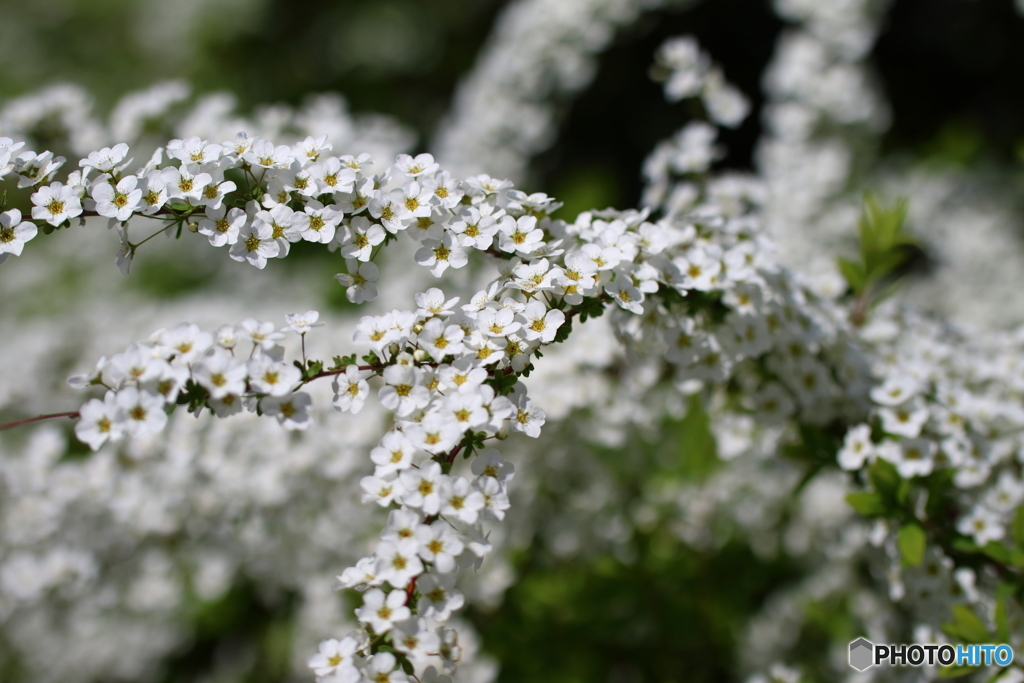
(927, 420)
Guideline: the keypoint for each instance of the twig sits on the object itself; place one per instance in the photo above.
(51, 416)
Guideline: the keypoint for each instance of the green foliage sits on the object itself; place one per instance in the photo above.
(967, 626)
(884, 248)
(912, 544)
(670, 614)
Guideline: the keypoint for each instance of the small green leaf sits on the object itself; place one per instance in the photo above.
(1017, 527)
(997, 551)
(867, 503)
(1002, 622)
(955, 671)
(853, 273)
(965, 545)
(967, 626)
(912, 542)
(886, 480)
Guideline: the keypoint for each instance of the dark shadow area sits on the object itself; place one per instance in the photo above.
(951, 71)
(610, 129)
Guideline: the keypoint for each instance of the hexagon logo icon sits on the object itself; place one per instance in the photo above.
(862, 653)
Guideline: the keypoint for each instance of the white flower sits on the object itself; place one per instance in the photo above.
(262, 333)
(317, 223)
(439, 254)
(14, 232)
(375, 331)
(439, 544)
(35, 169)
(438, 597)
(422, 487)
(194, 151)
(360, 239)
(380, 612)
(894, 391)
(489, 463)
(181, 183)
(380, 490)
(117, 201)
(336, 658)
(904, 420)
(495, 498)
(55, 204)
(138, 363)
(857, 448)
(155, 195)
(281, 220)
(462, 376)
(432, 302)
(141, 412)
(359, 281)
(626, 295)
(310, 149)
(398, 562)
(292, 411)
(107, 159)
(1006, 495)
(351, 389)
(402, 392)
(264, 154)
(519, 235)
(332, 176)
(475, 229)
(301, 323)
(528, 419)
(267, 376)
(393, 454)
(461, 501)
(422, 164)
(434, 433)
(220, 373)
(99, 421)
(440, 340)
(360, 576)
(255, 244)
(466, 409)
(982, 525)
(541, 324)
(381, 667)
(182, 344)
(222, 225)
(412, 637)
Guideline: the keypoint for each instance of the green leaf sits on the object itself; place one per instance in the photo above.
(1017, 527)
(967, 626)
(965, 545)
(955, 671)
(563, 332)
(854, 274)
(867, 503)
(1002, 622)
(997, 551)
(912, 542)
(886, 481)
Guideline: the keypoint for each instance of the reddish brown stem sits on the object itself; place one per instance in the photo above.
(51, 416)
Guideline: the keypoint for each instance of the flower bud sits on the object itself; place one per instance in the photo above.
(193, 226)
(420, 355)
(501, 434)
(417, 328)
(394, 348)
